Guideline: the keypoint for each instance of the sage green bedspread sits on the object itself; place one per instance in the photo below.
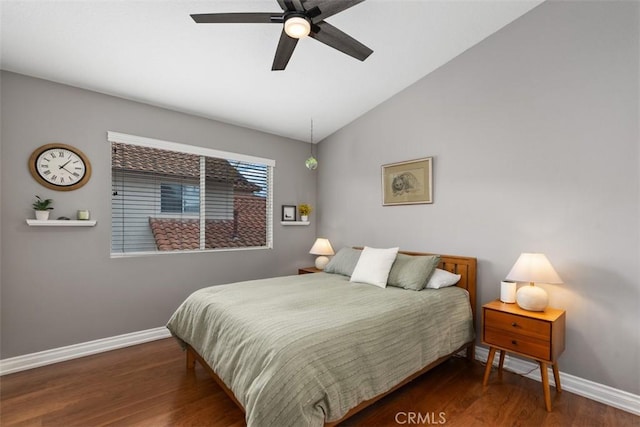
(302, 350)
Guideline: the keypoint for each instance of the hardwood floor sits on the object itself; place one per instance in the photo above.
(148, 385)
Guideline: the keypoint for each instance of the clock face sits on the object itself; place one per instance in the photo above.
(60, 167)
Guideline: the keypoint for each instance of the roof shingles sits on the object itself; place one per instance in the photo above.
(148, 160)
(248, 229)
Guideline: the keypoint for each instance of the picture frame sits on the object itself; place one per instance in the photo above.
(408, 183)
(289, 213)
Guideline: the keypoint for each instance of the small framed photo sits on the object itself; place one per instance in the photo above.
(407, 183)
(289, 212)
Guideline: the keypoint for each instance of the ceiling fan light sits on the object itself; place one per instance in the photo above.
(297, 27)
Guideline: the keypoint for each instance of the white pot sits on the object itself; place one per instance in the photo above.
(304, 218)
(42, 215)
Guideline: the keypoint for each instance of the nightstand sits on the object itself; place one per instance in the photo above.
(308, 270)
(536, 335)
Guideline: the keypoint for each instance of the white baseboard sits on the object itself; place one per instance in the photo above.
(599, 392)
(48, 357)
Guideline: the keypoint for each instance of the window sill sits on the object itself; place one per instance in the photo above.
(61, 223)
(295, 222)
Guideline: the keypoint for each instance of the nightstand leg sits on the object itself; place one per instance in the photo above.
(502, 353)
(545, 385)
(487, 370)
(556, 377)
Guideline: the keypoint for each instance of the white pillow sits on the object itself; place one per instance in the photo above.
(442, 279)
(374, 265)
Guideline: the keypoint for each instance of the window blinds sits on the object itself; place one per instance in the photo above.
(169, 197)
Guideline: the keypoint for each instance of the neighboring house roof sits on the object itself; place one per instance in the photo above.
(250, 230)
(134, 158)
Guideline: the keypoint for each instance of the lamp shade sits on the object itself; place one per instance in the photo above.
(531, 267)
(323, 248)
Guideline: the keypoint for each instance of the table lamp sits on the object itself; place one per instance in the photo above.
(323, 248)
(533, 268)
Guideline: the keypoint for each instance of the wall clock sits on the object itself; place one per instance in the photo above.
(60, 167)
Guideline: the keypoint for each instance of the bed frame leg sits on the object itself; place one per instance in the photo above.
(471, 352)
(191, 359)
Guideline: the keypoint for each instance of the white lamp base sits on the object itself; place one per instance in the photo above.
(532, 298)
(321, 262)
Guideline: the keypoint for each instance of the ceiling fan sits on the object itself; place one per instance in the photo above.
(300, 18)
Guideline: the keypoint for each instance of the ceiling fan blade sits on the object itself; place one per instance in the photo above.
(327, 8)
(286, 45)
(237, 18)
(291, 5)
(331, 36)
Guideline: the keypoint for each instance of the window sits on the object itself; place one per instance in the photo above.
(170, 197)
(179, 198)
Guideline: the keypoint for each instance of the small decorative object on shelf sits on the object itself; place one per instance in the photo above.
(42, 208)
(304, 210)
(83, 214)
(288, 213)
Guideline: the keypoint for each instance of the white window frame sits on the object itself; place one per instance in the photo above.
(118, 137)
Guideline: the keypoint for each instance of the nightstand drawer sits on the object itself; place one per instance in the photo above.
(528, 346)
(514, 324)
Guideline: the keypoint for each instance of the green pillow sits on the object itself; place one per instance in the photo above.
(412, 272)
(344, 262)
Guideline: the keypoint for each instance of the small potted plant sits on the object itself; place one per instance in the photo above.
(42, 208)
(304, 211)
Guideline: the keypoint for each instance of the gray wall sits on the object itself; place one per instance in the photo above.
(59, 285)
(534, 134)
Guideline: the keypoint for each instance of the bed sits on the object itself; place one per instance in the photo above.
(315, 349)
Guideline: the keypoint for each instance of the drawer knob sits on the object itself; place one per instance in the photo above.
(514, 342)
(514, 324)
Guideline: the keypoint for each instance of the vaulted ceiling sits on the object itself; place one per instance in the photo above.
(153, 52)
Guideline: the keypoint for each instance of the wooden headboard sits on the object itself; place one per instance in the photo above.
(466, 267)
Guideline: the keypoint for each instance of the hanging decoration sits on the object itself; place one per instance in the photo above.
(311, 163)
